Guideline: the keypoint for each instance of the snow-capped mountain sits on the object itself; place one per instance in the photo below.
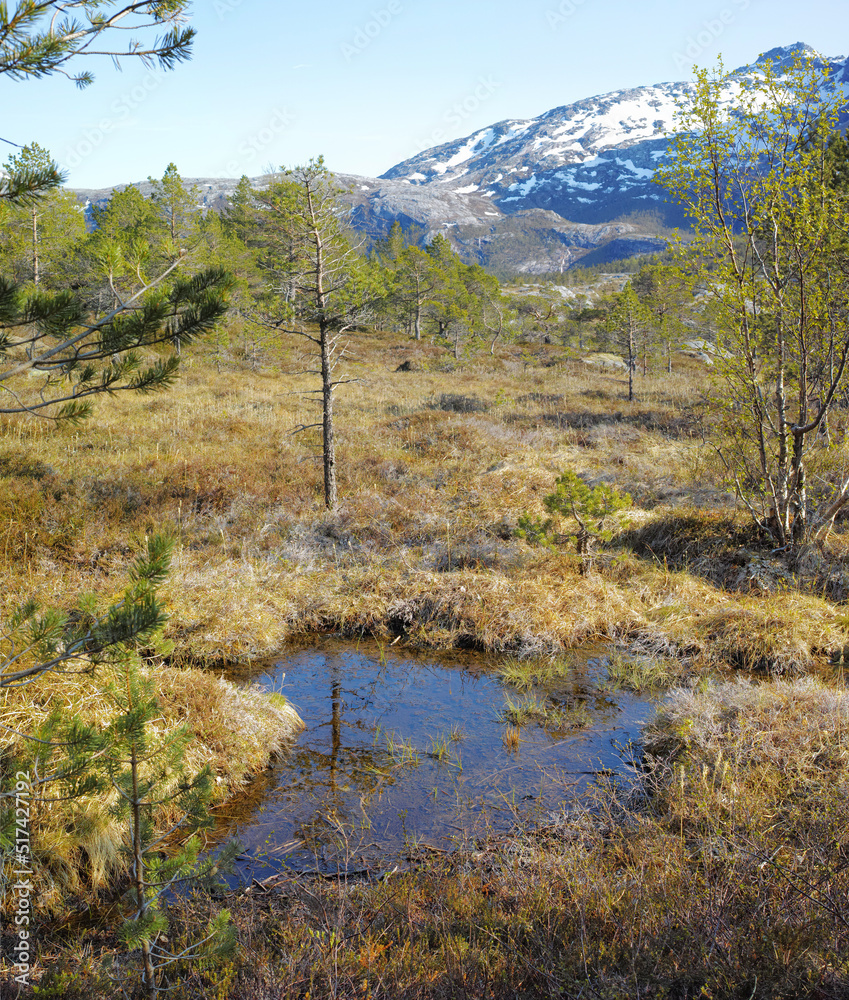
(576, 160)
(537, 194)
(589, 162)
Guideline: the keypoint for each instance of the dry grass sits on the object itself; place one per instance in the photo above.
(723, 873)
(512, 737)
(727, 878)
(421, 545)
(777, 751)
(77, 843)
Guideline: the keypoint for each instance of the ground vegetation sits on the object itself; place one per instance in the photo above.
(718, 870)
(439, 458)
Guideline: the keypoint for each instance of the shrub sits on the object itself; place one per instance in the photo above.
(587, 506)
(453, 402)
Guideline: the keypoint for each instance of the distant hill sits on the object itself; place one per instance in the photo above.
(536, 195)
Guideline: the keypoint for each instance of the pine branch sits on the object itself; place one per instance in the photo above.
(30, 49)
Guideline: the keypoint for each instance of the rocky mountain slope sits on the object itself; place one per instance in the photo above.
(537, 194)
(589, 162)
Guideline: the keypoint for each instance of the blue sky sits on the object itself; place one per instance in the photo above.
(368, 84)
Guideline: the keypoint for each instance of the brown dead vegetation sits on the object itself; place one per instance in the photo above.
(721, 874)
(435, 467)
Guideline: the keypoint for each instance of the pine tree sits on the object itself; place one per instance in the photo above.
(128, 760)
(413, 280)
(664, 292)
(574, 500)
(122, 249)
(37, 240)
(489, 311)
(80, 355)
(126, 218)
(41, 37)
(146, 771)
(34, 643)
(448, 298)
(243, 218)
(29, 179)
(178, 206)
(318, 284)
(389, 250)
(218, 246)
(627, 324)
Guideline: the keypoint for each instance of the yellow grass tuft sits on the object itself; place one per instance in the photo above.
(78, 844)
(772, 756)
(743, 807)
(512, 737)
(422, 545)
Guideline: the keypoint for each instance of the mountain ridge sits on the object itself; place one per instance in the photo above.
(536, 195)
(590, 161)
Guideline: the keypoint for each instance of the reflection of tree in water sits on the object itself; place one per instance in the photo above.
(347, 777)
(316, 802)
(333, 784)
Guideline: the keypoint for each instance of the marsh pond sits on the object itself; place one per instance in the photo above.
(405, 750)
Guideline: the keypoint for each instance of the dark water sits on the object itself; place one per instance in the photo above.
(403, 748)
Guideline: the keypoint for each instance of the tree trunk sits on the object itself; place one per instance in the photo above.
(35, 272)
(330, 493)
(783, 491)
(138, 876)
(331, 498)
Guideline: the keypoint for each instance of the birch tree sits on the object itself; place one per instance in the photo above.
(771, 247)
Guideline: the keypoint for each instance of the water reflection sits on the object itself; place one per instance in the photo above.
(401, 747)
